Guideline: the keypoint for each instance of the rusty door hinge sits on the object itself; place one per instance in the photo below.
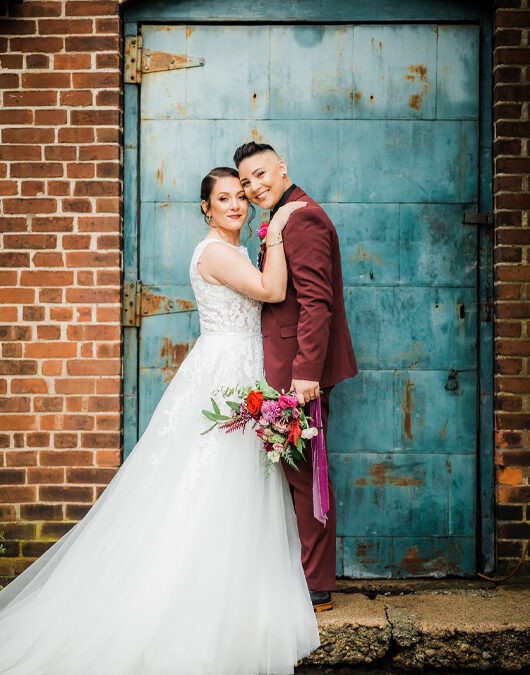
(480, 218)
(138, 60)
(141, 300)
(132, 299)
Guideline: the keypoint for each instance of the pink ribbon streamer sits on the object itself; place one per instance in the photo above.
(320, 466)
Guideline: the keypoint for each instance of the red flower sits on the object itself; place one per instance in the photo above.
(295, 432)
(254, 401)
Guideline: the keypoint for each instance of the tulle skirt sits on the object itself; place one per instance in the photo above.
(188, 563)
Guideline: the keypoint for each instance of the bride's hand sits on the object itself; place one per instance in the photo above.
(279, 221)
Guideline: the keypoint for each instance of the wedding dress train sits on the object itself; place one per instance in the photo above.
(189, 562)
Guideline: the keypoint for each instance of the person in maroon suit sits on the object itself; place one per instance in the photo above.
(306, 339)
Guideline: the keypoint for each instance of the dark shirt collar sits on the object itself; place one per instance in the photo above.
(283, 199)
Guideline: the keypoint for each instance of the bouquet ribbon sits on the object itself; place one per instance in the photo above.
(320, 466)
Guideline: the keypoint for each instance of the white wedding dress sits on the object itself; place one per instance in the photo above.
(189, 562)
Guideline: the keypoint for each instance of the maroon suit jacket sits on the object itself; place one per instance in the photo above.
(306, 336)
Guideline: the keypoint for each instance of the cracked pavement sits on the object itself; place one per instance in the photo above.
(450, 624)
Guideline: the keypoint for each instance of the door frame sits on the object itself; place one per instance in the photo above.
(138, 12)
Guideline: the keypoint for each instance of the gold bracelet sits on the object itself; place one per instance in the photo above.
(275, 243)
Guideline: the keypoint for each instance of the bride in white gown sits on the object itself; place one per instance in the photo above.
(189, 562)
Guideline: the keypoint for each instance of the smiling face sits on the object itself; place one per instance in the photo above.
(228, 206)
(264, 178)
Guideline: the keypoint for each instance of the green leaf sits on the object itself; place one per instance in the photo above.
(214, 417)
(267, 390)
(233, 405)
(215, 406)
(207, 430)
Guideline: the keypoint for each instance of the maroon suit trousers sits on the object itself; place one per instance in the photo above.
(318, 541)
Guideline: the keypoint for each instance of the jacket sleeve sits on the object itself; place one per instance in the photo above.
(307, 245)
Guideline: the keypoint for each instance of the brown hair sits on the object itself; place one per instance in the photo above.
(211, 179)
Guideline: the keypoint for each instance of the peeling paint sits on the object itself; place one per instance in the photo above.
(173, 355)
(407, 405)
(379, 475)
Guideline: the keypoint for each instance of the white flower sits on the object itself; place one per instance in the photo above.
(268, 432)
(309, 432)
(274, 456)
(278, 447)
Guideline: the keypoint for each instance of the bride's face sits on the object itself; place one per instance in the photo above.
(228, 207)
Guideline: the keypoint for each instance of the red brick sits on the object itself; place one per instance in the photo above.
(21, 458)
(12, 477)
(8, 277)
(16, 116)
(93, 80)
(77, 205)
(32, 188)
(18, 422)
(31, 98)
(94, 367)
(60, 493)
(52, 367)
(108, 205)
(10, 350)
(44, 278)
(51, 117)
(95, 152)
(108, 422)
(108, 458)
(65, 26)
(66, 422)
(86, 332)
(72, 62)
(37, 61)
(46, 80)
(14, 259)
(507, 38)
(85, 278)
(94, 117)
(99, 224)
(10, 27)
(14, 404)
(108, 60)
(72, 385)
(38, 8)
(513, 494)
(9, 81)
(51, 295)
(14, 61)
(91, 44)
(14, 295)
(15, 332)
(76, 241)
(31, 241)
(108, 313)
(90, 8)
(18, 494)
(66, 458)
(8, 187)
(29, 386)
(48, 332)
(37, 440)
(47, 260)
(96, 295)
(80, 170)
(28, 205)
(513, 273)
(28, 135)
(108, 170)
(65, 350)
(52, 224)
(42, 476)
(109, 277)
(20, 152)
(92, 259)
(41, 511)
(76, 511)
(91, 476)
(18, 367)
(108, 25)
(100, 440)
(76, 98)
(59, 188)
(61, 313)
(11, 224)
(45, 45)
(76, 135)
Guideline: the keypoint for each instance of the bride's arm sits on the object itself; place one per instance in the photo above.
(227, 266)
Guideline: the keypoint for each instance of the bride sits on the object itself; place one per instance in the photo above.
(189, 562)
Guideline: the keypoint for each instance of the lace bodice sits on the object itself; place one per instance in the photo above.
(222, 309)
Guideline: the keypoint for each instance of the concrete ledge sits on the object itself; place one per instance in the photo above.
(452, 624)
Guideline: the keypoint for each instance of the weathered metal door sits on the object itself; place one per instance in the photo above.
(380, 124)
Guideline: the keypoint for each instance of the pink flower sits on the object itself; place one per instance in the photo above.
(263, 422)
(281, 426)
(262, 232)
(278, 447)
(260, 433)
(270, 410)
(287, 401)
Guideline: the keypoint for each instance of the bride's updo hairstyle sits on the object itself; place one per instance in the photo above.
(208, 183)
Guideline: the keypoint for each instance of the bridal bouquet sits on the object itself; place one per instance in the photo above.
(278, 420)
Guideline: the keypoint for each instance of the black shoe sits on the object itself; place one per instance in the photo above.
(321, 600)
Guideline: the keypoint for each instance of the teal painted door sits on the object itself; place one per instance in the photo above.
(380, 124)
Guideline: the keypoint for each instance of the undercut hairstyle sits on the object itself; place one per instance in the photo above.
(249, 149)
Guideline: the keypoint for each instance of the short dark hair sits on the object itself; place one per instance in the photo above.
(248, 149)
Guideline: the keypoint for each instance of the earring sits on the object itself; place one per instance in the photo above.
(207, 219)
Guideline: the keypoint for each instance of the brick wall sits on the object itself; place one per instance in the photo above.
(512, 274)
(60, 262)
(60, 203)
